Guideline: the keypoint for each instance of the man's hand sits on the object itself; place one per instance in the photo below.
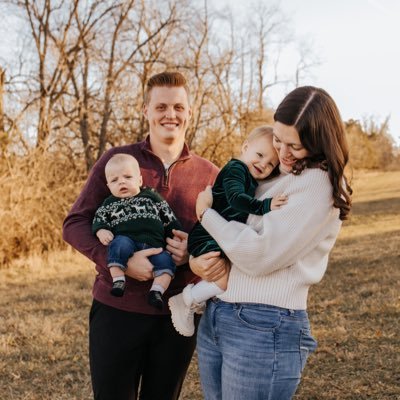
(209, 266)
(177, 246)
(139, 266)
(105, 236)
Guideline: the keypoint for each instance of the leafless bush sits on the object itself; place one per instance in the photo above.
(37, 191)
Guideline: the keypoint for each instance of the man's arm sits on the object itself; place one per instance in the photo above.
(77, 227)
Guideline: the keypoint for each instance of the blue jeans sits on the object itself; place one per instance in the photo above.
(122, 248)
(252, 351)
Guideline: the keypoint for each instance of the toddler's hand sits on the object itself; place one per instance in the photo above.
(105, 236)
(278, 201)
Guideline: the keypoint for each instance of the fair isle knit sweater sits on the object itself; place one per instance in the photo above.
(185, 178)
(278, 256)
(145, 217)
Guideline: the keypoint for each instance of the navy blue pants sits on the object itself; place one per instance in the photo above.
(122, 248)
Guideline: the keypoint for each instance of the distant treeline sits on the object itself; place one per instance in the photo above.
(76, 88)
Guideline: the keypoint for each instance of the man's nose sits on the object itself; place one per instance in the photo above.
(170, 113)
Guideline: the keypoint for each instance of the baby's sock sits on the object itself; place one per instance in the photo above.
(118, 286)
(154, 298)
(204, 290)
(157, 288)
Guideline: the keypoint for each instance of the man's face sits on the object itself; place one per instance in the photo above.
(168, 113)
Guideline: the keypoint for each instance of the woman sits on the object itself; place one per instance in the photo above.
(254, 340)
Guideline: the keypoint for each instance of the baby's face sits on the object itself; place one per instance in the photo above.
(123, 179)
(260, 156)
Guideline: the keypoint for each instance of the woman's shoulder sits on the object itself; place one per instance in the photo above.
(314, 177)
(312, 186)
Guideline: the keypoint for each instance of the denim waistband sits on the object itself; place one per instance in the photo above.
(260, 306)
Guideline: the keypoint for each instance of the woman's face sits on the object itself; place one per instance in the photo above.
(287, 144)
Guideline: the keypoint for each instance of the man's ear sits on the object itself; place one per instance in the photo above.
(144, 110)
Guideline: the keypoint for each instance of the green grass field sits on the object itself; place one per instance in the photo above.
(354, 311)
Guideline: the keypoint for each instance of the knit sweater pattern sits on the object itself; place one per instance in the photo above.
(145, 218)
(179, 186)
(278, 256)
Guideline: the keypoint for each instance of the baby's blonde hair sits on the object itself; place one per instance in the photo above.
(263, 130)
(121, 158)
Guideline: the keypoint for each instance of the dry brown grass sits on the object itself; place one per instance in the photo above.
(355, 314)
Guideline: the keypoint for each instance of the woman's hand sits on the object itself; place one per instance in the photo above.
(210, 266)
(204, 201)
(139, 266)
(177, 246)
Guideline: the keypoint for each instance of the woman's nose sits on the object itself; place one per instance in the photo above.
(284, 150)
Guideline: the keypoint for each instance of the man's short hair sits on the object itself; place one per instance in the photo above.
(169, 79)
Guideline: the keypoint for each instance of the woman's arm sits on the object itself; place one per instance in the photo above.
(285, 235)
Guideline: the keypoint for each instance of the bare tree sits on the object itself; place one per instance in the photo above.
(93, 60)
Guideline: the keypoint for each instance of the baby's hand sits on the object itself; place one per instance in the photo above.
(278, 201)
(105, 236)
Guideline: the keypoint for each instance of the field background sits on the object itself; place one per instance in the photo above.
(354, 311)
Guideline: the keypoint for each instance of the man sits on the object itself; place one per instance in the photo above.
(129, 340)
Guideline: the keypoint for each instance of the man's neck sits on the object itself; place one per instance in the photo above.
(168, 153)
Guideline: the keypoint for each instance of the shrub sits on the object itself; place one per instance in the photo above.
(37, 191)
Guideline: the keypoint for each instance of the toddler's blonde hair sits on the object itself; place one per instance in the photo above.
(263, 130)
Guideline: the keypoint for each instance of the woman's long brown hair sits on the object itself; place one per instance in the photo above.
(314, 114)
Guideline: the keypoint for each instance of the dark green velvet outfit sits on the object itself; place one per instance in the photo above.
(233, 198)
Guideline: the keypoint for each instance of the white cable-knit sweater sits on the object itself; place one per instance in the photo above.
(277, 256)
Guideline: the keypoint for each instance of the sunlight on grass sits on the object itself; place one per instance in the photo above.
(354, 312)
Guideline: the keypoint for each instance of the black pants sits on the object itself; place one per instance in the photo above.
(126, 349)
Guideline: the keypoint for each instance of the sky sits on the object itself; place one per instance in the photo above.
(357, 42)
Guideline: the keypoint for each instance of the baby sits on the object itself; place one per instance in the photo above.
(134, 218)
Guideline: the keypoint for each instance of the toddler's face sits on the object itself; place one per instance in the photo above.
(260, 156)
(124, 179)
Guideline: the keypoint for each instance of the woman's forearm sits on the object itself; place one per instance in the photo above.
(282, 236)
